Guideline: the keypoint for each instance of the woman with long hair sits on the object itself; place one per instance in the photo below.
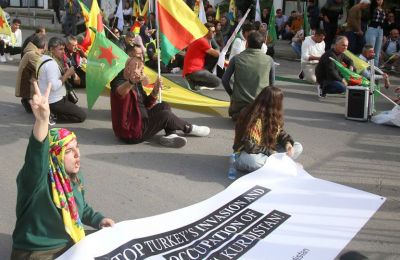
(374, 34)
(259, 132)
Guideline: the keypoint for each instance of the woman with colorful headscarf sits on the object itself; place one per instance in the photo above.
(51, 207)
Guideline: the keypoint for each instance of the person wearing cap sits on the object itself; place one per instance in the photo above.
(51, 207)
(353, 29)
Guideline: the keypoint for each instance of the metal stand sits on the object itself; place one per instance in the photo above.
(371, 103)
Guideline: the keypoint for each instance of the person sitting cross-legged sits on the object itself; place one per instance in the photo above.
(252, 71)
(135, 115)
(259, 132)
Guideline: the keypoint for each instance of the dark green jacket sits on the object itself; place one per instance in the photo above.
(39, 223)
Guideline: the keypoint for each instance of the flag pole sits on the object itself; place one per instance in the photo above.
(158, 49)
(115, 36)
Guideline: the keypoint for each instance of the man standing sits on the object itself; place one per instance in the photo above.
(331, 13)
(194, 66)
(311, 51)
(72, 11)
(328, 76)
(353, 29)
(11, 45)
(252, 70)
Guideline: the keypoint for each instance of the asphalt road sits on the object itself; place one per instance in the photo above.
(136, 181)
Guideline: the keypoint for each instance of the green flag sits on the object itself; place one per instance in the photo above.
(271, 26)
(351, 77)
(306, 24)
(105, 61)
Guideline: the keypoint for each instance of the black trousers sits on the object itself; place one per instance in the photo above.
(67, 112)
(9, 49)
(161, 117)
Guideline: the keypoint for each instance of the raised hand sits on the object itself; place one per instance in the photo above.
(41, 111)
(40, 103)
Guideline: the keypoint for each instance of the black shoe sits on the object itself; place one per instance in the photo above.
(301, 75)
(192, 86)
(26, 105)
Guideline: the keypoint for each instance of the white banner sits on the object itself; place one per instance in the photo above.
(276, 212)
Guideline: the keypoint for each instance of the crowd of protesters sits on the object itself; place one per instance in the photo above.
(49, 69)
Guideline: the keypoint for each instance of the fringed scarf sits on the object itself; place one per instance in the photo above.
(61, 187)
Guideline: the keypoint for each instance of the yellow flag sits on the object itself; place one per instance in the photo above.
(95, 20)
(4, 26)
(359, 64)
(217, 15)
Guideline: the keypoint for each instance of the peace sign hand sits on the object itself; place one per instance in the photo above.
(40, 103)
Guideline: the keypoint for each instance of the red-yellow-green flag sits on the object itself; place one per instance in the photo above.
(85, 13)
(4, 26)
(351, 77)
(95, 19)
(179, 26)
(105, 61)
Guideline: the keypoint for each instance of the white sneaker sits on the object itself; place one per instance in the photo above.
(206, 88)
(8, 57)
(200, 130)
(175, 70)
(3, 59)
(173, 140)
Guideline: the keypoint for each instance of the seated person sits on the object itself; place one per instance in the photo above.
(152, 60)
(259, 132)
(293, 25)
(11, 45)
(135, 115)
(368, 54)
(252, 71)
(391, 51)
(297, 41)
(328, 76)
(41, 30)
(75, 57)
(311, 51)
(27, 69)
(51, 71)
(195, 67)
(50, 217)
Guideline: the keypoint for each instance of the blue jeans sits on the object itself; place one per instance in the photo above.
(333, 87)
(374, 37)
(296, 46)
(250, 162)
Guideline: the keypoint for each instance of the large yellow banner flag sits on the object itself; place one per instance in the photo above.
(4, 26)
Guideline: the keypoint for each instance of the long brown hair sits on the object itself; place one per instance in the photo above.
(268, 107)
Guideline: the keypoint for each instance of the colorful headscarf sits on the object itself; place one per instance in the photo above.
(63, 196)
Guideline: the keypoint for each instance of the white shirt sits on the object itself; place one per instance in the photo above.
(391, 47)
(238, 45)
(18, 38)
(127, 11)
(311, 48)
(50, 72)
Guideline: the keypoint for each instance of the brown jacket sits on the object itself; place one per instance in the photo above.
(27, 71)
